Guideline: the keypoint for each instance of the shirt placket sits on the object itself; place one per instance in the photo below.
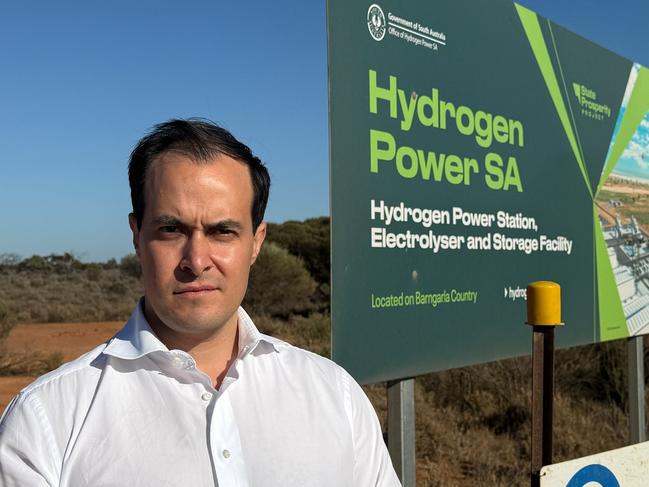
(224, 443)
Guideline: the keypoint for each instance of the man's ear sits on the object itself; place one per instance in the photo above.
(258, 240)
(132, 222)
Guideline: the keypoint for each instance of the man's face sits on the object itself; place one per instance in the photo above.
(196, 242)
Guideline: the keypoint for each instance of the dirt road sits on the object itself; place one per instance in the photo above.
(71, 339)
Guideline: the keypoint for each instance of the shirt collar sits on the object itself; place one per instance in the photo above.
(137, 339)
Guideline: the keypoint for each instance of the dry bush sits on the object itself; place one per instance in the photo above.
(94, 272)
(6, 321)
(36, 295)
(33, 364)
(474, 424)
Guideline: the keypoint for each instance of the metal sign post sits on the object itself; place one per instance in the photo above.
(543, 313)
(637, 428)
(401, 429)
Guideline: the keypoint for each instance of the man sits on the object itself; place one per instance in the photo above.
(189, 392)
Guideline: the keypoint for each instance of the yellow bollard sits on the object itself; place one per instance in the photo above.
(543, 314)
(544, 304)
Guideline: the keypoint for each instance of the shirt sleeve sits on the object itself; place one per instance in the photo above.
(27, 456)
(372, 463)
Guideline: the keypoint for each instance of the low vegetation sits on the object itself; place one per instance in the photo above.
(33, 364)
(279, 284)
(47, 290)
(473, 424)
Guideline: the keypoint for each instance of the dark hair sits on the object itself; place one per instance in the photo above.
(201, 140)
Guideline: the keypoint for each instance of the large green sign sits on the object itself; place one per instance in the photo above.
(477, 147)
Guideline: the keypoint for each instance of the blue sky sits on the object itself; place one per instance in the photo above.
(634, 161)
(80, 82)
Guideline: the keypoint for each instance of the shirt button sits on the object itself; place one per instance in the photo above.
(206, 396)
(226, 453)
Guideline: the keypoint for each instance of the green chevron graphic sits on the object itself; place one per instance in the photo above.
(532, 29)
(636, 109)
(612, 322)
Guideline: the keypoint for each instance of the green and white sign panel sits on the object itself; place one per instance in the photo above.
(477, 147)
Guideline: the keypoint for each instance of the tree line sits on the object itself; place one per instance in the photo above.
(291, 276)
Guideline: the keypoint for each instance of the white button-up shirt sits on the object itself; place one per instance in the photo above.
(132, 412)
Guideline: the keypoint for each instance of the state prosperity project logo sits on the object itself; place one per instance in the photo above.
(376, 22)
(588, 104)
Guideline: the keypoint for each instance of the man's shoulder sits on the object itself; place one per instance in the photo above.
(307, 362)
(71, 375)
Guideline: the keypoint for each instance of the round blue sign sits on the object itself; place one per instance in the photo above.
(594, 473)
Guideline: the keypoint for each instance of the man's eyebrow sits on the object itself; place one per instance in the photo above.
(167, 220)
(219, 226)
(227, 224)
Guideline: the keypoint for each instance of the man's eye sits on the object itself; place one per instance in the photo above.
(169, 229)
(224, 232)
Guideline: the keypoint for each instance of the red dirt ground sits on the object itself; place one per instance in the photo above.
(71, 339)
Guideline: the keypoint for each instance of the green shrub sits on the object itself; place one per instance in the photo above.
(308, 240)
(279, 284)
(60, 313)
(118, 288)
(130, 265)
(34, 263)
(64, 263)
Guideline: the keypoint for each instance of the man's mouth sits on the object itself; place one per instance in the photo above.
(194, 290)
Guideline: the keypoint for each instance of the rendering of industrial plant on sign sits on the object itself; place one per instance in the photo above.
(623, 209)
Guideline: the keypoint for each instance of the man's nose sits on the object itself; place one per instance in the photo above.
(196, 255)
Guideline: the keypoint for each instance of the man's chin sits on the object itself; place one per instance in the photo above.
(199, 323)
